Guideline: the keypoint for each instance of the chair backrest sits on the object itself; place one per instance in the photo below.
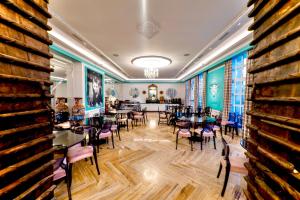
(184, 124)
(96, 121)
(232, 117)
(225, 150)
(92, 136)
(79, 130)
(239, 120)
(207, 111)
(106, 126)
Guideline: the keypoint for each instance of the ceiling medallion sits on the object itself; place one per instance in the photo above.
(151, 64)
(148, 28)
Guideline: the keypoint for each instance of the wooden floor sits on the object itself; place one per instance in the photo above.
(146, 166)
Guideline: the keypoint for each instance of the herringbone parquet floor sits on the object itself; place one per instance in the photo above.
(146, 166)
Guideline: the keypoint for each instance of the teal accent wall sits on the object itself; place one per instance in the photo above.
(215, 88)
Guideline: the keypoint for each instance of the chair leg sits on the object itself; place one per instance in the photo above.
(68, 183)
(118, 132)
(225, 130)
(96, 160)
(226, 179)
(91, 160)
(127, 125)
(191, 144)
(214, 138)
(201, 140)
(70, 174)
(112, 140)
(176, 140)
(220, 169)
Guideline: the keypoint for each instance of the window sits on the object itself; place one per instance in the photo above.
(238, 83)
(187, 92)
(200, 91)
(192, 94)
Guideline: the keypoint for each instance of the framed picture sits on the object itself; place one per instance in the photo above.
(94, 86)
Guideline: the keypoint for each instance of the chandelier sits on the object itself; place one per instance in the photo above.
(151, 73)
(151, 64)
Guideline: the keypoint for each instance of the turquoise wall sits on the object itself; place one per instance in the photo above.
(215, 88)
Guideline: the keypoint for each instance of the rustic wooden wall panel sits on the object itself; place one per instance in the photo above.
(26, 152)
(274, 128)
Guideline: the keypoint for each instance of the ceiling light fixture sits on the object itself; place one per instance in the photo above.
(151, 64)
(151, 61)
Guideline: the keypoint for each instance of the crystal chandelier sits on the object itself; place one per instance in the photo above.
(151, 73)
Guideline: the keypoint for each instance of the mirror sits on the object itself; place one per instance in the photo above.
(152, 91)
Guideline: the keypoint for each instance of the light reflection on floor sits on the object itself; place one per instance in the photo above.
(150, 174)
(152, 124)
(149, 140)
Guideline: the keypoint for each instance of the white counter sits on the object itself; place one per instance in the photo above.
(155, 106)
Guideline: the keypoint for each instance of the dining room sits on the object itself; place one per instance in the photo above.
(149, 100)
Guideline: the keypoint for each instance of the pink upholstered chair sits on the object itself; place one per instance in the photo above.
(124, 120)
(105, 133)
(184, 131)
(115, 128)
(60, 168)
(232, 163)
(138, 117)
(78, 153)
(207, 133)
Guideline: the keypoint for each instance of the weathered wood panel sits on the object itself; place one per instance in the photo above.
(274, 130)
(26, 152)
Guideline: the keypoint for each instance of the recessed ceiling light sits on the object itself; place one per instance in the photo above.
(116, 55)
(187, 54)
(151, 61)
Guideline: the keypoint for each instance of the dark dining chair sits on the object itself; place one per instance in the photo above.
(79, 152)
(138, 116)
(162, 117)
(206, 133)
(123, 120)
(231, 164)
(60, 167)
(105, 133)
(207, 111)
(184, 131)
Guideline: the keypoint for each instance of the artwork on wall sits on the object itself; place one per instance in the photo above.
(94, 89)
(215, 88)
(134, 92)
(171, 92)
(111, 92)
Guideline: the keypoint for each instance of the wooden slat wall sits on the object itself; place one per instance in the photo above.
(26, 152)
(274, 143)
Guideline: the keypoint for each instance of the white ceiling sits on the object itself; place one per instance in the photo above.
(183, 26)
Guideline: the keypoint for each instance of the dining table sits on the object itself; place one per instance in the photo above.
(67, 138)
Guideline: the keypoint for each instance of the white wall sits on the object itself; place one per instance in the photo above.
(144, 86)
(61, 90)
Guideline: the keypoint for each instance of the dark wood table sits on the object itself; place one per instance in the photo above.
(67, 138)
